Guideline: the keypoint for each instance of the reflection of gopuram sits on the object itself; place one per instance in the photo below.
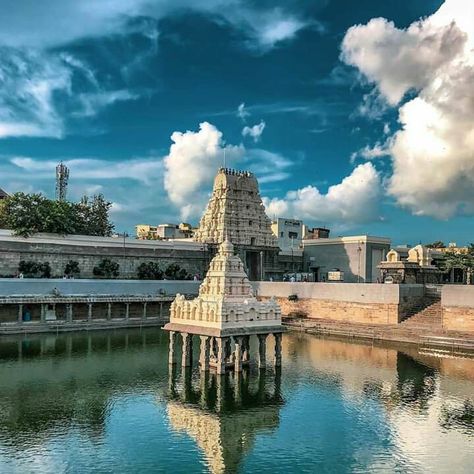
(224, 414)
(225, 315)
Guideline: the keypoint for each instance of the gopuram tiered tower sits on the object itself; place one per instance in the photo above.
(225, 314)
(235, 210)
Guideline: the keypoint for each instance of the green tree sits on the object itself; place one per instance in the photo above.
(149, 271)
(107, 269)
(98, 217)
(436, 245)
(27, 214)
(463, 261)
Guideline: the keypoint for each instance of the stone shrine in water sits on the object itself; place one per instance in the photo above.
(225, 314)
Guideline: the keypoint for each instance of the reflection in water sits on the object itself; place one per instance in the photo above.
(224, 414)
(107, 402)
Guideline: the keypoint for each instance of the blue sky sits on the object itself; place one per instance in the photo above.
(354, 115)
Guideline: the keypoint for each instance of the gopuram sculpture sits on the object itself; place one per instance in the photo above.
(235, 210)
(225, 314)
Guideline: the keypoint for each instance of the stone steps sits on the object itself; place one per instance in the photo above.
(430, 317)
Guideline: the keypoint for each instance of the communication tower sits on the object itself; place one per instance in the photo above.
(62, 178)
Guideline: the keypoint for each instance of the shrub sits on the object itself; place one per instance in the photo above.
(31, 269)
(72, 268)
(149, 271)
(175, 272)
(107, 269)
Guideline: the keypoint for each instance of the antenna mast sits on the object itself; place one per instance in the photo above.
(62, 178)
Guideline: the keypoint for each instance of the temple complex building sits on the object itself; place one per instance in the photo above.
(414, 265)
(235, 210)
(224, 315)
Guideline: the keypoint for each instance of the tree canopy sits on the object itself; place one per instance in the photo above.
(28, 214)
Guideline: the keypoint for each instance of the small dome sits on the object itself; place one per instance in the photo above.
(226, 247)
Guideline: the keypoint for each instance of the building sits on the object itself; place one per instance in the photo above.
(316, 233)
(3, 194)
(164, 231)
(235, 211)
(289, 232)
(146, 232)
(353, 259)
(225, 314)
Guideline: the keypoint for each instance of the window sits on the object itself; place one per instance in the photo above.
(281, 234)
(293, 235)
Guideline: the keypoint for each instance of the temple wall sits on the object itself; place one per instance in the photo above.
(88, 251)
(36, 286)
(357, 303)
(458, 307)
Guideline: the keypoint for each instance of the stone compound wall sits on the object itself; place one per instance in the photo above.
(350, 302)
(458, 307)
(89, 251)
(35, 286)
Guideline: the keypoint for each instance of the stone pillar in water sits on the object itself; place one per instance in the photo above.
(262, 349)
(186, 359)
(205, 353)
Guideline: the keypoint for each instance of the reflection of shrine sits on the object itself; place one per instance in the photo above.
(223, 414)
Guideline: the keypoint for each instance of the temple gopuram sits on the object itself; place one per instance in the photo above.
(235, 209)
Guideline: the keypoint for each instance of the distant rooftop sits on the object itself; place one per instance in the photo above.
(3, 194)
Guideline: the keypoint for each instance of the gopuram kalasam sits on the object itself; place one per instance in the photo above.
(225, 314)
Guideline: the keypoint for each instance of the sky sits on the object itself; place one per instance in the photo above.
(358, 116)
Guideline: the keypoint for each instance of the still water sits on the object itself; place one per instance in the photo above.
(106, 402)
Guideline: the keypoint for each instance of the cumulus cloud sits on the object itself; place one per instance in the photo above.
(191, 165)
(255, 131)
(353, 201)
(433, 152)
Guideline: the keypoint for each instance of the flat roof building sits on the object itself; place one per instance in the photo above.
(354, 258)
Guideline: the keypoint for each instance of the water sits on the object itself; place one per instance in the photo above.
(105, 402)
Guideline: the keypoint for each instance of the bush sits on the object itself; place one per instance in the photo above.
(31, 269)
(175, 272)
(149, 271)
(107, 269)
(72, 268)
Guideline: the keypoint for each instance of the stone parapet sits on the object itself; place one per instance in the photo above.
(458, 307)
(367, 313)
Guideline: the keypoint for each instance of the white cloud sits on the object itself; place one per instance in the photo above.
(144, 170)
(37, 95)
(28, 83)
(255, 131)
(58, 22)
(92, 102)
(433, 153)
(353, 201)
(191, 165)
(242, 112)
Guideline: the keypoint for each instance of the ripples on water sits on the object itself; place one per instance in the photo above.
(106, 402)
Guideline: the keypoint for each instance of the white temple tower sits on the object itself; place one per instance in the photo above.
(235, 210)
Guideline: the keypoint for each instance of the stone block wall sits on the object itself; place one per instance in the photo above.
(458, 307)
(89, 251)
(368, 313)
(356, 303)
